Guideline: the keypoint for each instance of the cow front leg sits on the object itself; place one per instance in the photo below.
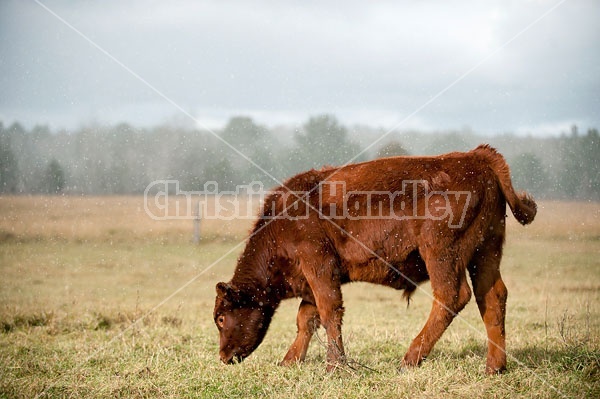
(326, 288)
(308, 322)
(332, 314)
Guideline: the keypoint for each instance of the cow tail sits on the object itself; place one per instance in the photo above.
(521, 204)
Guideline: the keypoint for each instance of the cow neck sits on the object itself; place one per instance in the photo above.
(254, 274)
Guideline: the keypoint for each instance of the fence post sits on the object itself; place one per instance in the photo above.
(197, 220)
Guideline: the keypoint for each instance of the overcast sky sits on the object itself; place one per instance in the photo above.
(373, 63)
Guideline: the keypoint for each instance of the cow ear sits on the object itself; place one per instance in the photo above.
(223, 289)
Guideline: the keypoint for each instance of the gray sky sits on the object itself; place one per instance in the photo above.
(366, 62)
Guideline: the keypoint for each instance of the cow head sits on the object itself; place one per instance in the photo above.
(242, 321)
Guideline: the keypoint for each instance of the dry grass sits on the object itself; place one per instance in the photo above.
(82, 314)
(83, 219)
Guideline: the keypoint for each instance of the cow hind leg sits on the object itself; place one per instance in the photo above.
(451, 292)
(308, 322)
(490, 293)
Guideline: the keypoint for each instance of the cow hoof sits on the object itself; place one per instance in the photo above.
(412, 361)
(403, 369)
(405, 366)
(495, 370)
(286, 363)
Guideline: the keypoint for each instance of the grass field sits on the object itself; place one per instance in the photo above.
(99, 300)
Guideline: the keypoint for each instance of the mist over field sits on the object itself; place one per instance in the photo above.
(123, 159)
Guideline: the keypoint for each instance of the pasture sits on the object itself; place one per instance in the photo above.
(99, 300)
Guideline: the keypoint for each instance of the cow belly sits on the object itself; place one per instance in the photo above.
(398, 274)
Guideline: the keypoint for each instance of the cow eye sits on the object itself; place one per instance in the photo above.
(221, 320)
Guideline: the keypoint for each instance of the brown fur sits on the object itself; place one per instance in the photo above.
(312, 257)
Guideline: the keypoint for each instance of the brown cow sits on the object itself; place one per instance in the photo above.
(394, 221)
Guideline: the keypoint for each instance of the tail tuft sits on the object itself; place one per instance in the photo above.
(526, 210)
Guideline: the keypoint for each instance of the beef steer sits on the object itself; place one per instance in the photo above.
(442, 216)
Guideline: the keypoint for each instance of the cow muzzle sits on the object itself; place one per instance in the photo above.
(230, 358)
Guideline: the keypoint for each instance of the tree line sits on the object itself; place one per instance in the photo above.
(123, 159)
